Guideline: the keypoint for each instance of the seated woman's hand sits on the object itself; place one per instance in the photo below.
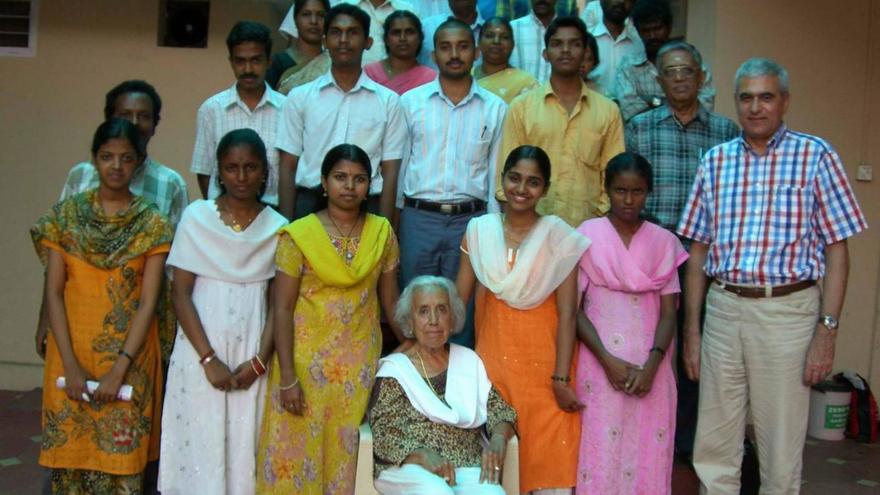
(493, 459)
(219, 376)
(433, 462)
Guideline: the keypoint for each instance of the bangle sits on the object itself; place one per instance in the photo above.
(557, 378)
(657, 349)
(257, 366)
(288, 387)
(262, 364)
(207, 358)
(129, 356)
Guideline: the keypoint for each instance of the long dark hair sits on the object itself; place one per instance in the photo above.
(350, 152)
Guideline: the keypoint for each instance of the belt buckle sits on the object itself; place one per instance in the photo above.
(446, 208)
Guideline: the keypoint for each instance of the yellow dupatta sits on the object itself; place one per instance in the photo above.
(314, 242)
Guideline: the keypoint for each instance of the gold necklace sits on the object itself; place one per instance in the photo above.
(425, 373)
(230, 218)
(354, 226)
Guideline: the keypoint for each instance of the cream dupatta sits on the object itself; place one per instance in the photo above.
(545, 258)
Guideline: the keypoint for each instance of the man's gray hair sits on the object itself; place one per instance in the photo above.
(428, 283)
(760, 66)
(678, 45)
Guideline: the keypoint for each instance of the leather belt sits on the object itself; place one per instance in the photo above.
(473, 206)
(766, 291)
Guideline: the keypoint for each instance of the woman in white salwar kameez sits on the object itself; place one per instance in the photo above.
(223, 258)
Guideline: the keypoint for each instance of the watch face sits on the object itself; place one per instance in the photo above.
(830, 322)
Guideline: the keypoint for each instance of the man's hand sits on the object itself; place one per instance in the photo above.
(691, 354)
(820, 356)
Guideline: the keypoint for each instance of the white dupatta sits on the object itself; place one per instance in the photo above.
(545, 258)
(467, 388)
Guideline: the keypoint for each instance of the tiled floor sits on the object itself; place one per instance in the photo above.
(836, 468)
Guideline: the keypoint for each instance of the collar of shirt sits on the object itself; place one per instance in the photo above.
(434, 88)
(537, 22)
(774, 141)
(363, 82)
(629, 31)
(665, 113)
(232, 98)
(585, 93)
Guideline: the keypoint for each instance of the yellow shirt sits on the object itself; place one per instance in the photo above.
(579, 146)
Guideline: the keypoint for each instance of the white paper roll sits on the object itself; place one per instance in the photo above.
(124, 394)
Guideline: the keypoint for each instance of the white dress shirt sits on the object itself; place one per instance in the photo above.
(429, 27)
(528, 47)
(226, 112)
(611, 51)
(320, 115)
(453, 148)
(430, 8)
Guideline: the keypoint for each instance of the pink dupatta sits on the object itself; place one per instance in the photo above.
(413, 78)
(652, 259)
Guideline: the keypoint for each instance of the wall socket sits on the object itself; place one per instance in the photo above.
(865, 173)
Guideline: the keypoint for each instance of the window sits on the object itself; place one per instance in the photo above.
(18, 28)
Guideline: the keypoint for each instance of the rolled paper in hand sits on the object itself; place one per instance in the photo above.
(124, 394)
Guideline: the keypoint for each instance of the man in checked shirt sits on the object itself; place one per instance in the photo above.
(769, 215)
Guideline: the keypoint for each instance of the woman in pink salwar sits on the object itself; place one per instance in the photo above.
(401, 71)
(629, 283)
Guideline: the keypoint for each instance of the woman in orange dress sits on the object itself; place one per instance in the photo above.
(104, 250)
(524, 268)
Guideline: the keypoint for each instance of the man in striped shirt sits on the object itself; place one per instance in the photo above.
(770, 214)
(528, 39)
(249, 103)
(448, 170)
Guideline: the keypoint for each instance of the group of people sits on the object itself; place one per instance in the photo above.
(538, 228)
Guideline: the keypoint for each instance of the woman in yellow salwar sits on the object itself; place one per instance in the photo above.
(494, 71)
(104, 250)
(333, 269)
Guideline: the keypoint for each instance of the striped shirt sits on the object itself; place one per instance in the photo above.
(226, 112)
(320, 115)
(453, 148)
(528, 47)
(767, 218)
(153, 181)
(674, 151)
(611, 52)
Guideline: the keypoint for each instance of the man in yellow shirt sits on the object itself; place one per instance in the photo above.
(579, 128)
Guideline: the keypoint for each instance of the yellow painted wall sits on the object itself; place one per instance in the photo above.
(832, 53)
(51, 104)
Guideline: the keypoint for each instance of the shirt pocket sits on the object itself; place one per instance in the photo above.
(367, 132)
(589, 150)
(788, 215)
(475, 152)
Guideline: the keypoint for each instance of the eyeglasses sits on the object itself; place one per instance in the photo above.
(676, 72)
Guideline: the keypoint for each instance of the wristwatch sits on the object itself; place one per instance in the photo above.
(829, 322)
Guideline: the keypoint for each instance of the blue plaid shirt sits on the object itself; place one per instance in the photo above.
(768, 218)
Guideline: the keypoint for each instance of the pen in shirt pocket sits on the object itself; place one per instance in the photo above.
(483, 134)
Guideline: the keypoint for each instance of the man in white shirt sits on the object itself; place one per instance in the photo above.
(249, 103)
(616, 37)
(342, 106)
(528, 39)
(378, 10)
(463, 10)
(448, 172)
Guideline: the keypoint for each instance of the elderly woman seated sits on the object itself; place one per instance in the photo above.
(433, 406)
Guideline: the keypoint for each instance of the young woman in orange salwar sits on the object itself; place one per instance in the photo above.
(104, 251)
(522, 268)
